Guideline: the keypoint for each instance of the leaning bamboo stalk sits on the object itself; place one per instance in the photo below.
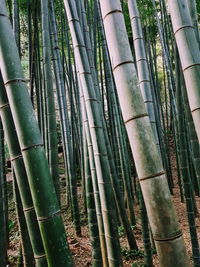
(41, 184)
(97, 135)
(27, 251)
(91, 210)
(21, 177)
(65, 125)
(162, 217)
(186, 176)
(142, 65)
(94, 181)
(3, 222)
(189, 55)
(194, 16)
(114, 175)
(52, 149)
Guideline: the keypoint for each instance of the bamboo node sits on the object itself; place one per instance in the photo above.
(91, 99)
(135, 17)
(123, 63)
(195, 109)
(152, 176)
(138, 38)
(170, 238)
(16, 157)
(144, 81)
(4, 15)
(183, 27)
(4, 106)
(73, 20)
(30, 147)
(136, 117)
(15, 80)
(39, 257)
(40, 219)
(112, 11)
(190, 66)
(79, 45)
(28, 209)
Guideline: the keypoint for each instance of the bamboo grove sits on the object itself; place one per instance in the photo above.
(100, 119)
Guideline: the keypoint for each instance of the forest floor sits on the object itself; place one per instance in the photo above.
(80, 246)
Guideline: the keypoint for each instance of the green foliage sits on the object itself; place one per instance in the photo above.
(121, 230)
(138, 264)
(11, 225)
(132, 254)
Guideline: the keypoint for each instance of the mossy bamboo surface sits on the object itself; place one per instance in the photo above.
(162, 217)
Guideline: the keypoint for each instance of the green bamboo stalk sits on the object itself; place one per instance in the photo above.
(189, 55)
(162, 217)
(92, 217)
(142, 65)
(194, 143)
(148, 261)
(65, 126)
(194, 16)
(116, 120)
(94, 182)
(41, 184)
(3, 222)
(27, 251)
(184, 168)
(97, 135)
(16, 25)
(49, 94)
(22, 181)
(114, 176)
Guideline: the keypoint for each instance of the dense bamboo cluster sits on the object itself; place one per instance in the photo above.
(99, 119)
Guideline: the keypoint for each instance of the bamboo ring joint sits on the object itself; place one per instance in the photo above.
(30, 147)
(123, 63)
(15, 80)
(40, 219)
(136, 117)
(112, 11)
(4, 106)
(179, 234)
(152, 176)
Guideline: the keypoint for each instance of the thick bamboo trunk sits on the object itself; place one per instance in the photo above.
(189, 52)
(194, 16)
(41, 184)
(162, 217)
(21, 177)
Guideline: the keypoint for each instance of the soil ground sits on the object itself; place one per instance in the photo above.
(80, 246)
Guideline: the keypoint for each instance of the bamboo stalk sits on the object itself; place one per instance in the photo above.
(162, 217)
(41, 184)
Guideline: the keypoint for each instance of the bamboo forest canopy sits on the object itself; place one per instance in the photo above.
(99, 133)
